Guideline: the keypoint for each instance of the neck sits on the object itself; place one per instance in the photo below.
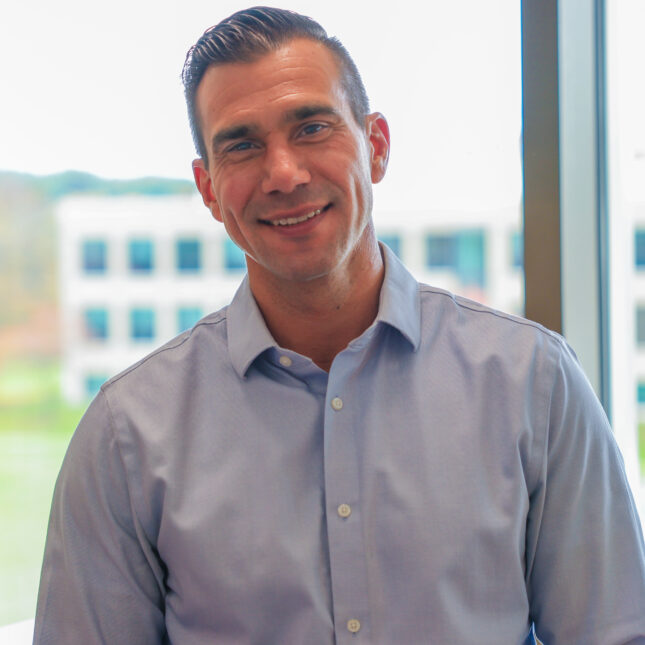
(318, 318)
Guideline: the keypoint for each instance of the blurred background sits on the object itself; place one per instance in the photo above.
(106, 251)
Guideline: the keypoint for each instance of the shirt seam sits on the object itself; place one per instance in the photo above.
(483, 309)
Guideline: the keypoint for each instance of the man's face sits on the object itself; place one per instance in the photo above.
(289, 169)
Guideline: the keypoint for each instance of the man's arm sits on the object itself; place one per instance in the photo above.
(585, 552)
(101, 581)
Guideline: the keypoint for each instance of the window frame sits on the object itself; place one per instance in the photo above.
(568, 234)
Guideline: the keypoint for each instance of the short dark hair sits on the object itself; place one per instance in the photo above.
(251, 33)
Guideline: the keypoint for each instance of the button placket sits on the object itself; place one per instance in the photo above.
(342, 485)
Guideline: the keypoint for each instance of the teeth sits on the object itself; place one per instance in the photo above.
(290, 221)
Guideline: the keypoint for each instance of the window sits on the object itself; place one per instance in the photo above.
(142, 324)
(461, 252)
(189, 255)
(96, 323)
(441, 252)
(465, 157)
(93, 384)
(94, 256)
(624, 138)
(639, 249)
(393, 241)
(141, 256)
(640, 393)
(234, 258)
(640, 325)
(517, 250)
(187, 317)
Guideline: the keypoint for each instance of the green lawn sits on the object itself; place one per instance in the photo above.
(35, 427)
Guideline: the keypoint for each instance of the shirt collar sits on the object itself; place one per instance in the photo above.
(399, 307)
(400, 302)
(247, 332)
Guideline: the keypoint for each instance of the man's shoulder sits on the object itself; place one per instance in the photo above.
(480, 330)
(456, 309)
(207, 336)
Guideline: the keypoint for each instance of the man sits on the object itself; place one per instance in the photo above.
(342, 455)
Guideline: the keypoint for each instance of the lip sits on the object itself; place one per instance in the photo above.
(298, 228)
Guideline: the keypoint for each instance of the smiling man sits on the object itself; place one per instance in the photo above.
(341, 455)
(289, 171)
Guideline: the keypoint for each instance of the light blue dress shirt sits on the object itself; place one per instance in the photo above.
(452, 480)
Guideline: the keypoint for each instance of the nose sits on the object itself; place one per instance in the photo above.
(284, 170)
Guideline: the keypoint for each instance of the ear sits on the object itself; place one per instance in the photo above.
(378, 135)
(205, 187)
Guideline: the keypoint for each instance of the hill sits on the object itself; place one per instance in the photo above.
(28, 242)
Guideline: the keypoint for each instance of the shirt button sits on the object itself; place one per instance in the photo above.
(337, 403)
(344, 510)
(285, 361)
(353, 625)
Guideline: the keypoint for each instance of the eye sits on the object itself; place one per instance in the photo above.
(241, 146)
(311, 129)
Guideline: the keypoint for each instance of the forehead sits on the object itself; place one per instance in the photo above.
(302, 71)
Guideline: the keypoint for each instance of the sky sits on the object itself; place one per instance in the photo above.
(96, 87)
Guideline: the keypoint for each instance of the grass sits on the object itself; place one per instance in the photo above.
(35, 428)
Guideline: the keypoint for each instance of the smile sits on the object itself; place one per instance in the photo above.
(290, 221)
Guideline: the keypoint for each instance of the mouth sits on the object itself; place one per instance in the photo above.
(292, 221)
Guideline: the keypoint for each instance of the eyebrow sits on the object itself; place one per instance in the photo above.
(244, 130)
(307, 111)
(231, 134)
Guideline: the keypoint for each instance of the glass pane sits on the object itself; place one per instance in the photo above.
(96, 324)
(626, 156)
(189, 254)
(142, 324)
(452, 197)
(448, 82)
(94, 256)
(141, 256)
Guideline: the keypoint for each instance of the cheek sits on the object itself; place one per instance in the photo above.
(231, 195)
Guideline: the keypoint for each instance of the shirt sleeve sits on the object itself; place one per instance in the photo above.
(101, 581)
(585, 556)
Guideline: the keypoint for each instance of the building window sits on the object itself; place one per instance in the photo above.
(441, 251)
(639, 250)
(93, 384)
(189, 255)
(94, 256)
(187, 317)
(96, 323)
(640, 325)
(517, 250)
(461, 252)
(142, 324)
(393, 241)
(141, 256)
(234, 258)
(641, 393)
